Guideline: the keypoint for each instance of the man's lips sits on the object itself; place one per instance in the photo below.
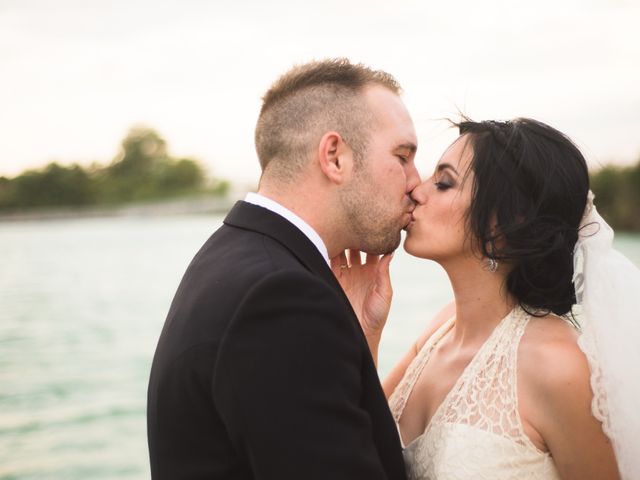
(410, 221)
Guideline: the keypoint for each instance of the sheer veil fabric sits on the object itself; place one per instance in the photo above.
(608, 311)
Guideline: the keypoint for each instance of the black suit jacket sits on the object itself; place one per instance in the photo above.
(262, 370)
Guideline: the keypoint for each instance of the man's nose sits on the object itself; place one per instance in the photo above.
(413, 179)
(418, 194)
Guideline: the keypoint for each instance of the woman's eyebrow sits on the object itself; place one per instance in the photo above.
(442, 166)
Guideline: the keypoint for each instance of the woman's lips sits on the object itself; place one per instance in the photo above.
(410, 222)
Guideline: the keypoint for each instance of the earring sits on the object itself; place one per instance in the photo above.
(491, 264)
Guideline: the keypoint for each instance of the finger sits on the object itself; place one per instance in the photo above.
(383, 277)
(335, 264)
(372, 260)
(385, 261)
(338, 262)
(354, 257)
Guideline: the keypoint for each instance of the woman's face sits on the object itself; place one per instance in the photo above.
(438, 227)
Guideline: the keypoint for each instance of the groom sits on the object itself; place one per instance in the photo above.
(262, 370)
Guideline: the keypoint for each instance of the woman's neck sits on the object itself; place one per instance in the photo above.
(481, 300)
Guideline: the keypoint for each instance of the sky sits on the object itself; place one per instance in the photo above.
(76, 75)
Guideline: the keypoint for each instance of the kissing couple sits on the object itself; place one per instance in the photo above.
(266, 364)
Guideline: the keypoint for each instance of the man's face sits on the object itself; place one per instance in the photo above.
(377, 199)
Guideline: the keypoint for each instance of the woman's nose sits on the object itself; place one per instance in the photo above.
(419, 194)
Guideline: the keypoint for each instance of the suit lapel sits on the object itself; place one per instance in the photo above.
(253, 217)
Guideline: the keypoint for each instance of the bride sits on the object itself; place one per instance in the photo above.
(501, 383)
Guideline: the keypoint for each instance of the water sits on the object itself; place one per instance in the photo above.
(82, 303)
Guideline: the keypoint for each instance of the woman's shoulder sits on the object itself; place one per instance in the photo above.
(398, 371)
(556, 400)
(550, 359)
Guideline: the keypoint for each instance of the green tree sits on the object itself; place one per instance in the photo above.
(617, 191)
(54, 185)
(133, 173)
(180, 175)
(142, 170)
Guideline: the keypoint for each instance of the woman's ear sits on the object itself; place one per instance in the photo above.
(335, 157)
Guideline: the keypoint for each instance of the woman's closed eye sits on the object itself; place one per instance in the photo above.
(443, 185)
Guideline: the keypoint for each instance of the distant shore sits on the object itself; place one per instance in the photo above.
(176, 206)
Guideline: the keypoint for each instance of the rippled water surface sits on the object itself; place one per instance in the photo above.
(82, 303)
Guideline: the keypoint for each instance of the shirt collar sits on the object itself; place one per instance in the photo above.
(304, 227)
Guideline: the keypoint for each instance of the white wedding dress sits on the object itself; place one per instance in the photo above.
(476, 433)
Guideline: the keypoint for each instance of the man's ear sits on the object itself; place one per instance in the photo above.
(334, 157)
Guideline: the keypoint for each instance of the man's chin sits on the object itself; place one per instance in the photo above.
(383, 247)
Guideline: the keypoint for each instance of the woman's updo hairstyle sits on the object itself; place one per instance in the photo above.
(529, 192)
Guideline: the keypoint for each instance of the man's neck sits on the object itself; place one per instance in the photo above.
(312, 210)
(279, 209)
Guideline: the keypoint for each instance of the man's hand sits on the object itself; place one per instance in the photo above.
(368, 287)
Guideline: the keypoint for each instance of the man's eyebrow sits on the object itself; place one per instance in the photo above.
(442, 166)
(412, 147)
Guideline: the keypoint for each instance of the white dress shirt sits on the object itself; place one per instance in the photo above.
(304, 227)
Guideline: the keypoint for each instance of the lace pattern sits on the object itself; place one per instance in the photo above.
(599, 407)
(476, 432)
(400, 395)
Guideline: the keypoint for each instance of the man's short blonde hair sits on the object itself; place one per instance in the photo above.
(308, 101)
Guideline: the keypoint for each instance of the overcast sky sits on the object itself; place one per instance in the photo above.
(75, 75)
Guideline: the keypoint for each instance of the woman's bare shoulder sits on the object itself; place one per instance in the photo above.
(556, 387)
(550, 359)
(397, 372)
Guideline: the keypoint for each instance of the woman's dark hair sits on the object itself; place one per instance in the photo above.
(529, 193)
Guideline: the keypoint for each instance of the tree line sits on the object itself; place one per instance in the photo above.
(617, 191)
(143, 170)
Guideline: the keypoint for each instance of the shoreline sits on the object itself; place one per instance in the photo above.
(157, 208)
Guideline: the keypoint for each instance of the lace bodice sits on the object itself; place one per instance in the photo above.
(476, 433)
